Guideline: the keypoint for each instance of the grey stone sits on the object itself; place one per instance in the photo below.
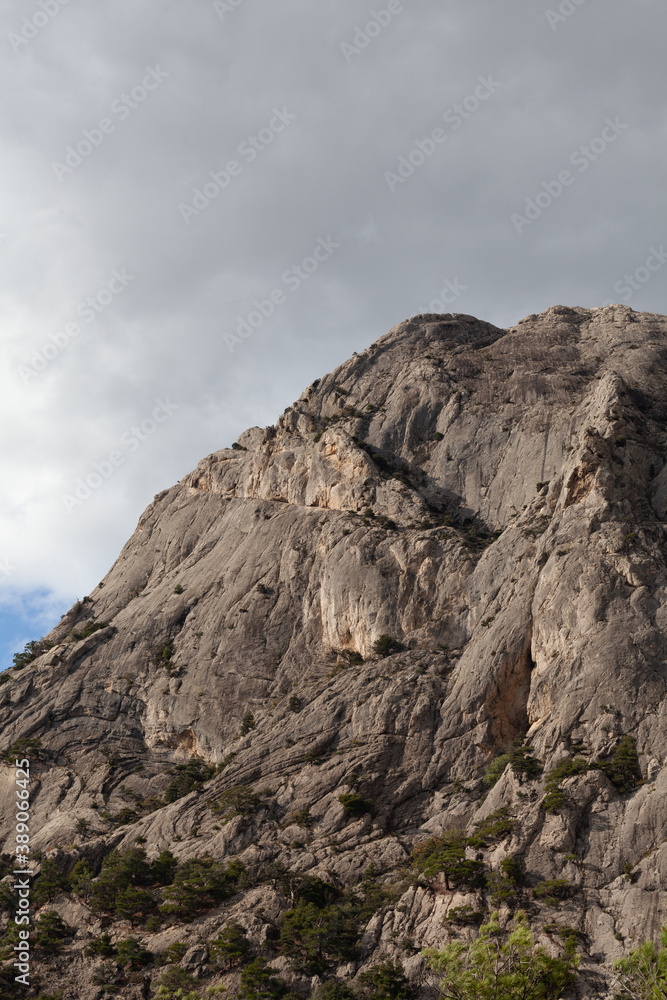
(517, 485)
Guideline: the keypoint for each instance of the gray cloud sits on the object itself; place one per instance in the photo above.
(362, 99)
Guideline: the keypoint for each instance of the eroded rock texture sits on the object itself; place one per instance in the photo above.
(493, 500)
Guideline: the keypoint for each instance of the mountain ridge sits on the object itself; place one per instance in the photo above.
(455, 538)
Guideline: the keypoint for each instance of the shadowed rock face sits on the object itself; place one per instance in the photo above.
(494, 500)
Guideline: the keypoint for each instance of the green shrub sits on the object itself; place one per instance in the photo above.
(504, 884)
(119, 872)
(446, 854)
(501, 965)
(150, 804)
(465, 916)
(101, 947)
(132, 954)
(199, 884)
(247, 723)
(386, 981)
(231, 947)
(82, 827)
(295, 704)
(312, 936)
(134, 904)
(237, 801)
(333, 989)
(178, 589)
(386, 645)
(7, 903)
(512, 869)
(623, 768)
(258, 983)
(571, 938)
(311, 889)
(521, 759)
(297, 887)
(176, 984)
(50, 931)
(164, 868)
(188, 778)
(49, 883)
(25, 746)
(9, 939)
(164, 654)
(554, 800)
(555, 797)
(496, 769)
(476, 539)
(554, 890)
(301, 817)
(31, 651)
(89, 629)
(174, 953)
(81, 878)
(630, 875)
(496, 826)
(643, 974)
(375, 895)
(124, 816)
(501, 888)
(225, 762)
(355, 804)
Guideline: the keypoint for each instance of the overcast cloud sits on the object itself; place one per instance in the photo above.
(126, 298)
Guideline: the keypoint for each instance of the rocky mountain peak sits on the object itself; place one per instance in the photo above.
(446, 557)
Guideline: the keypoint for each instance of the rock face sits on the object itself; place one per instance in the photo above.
(495, 501)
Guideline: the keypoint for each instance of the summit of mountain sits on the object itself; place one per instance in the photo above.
(454, 541)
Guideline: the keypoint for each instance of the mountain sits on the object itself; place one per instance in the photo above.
(431, 598)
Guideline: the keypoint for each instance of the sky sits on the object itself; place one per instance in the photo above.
(205, 205)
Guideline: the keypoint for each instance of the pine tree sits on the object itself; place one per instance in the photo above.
(231, 947)
(623, 768)
(258, 983)
(446, 854)
(49, 884)
(501, 966)
(51, 930)
(643, 974)
(386, 981)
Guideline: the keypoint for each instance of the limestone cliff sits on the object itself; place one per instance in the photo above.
(493, 501)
